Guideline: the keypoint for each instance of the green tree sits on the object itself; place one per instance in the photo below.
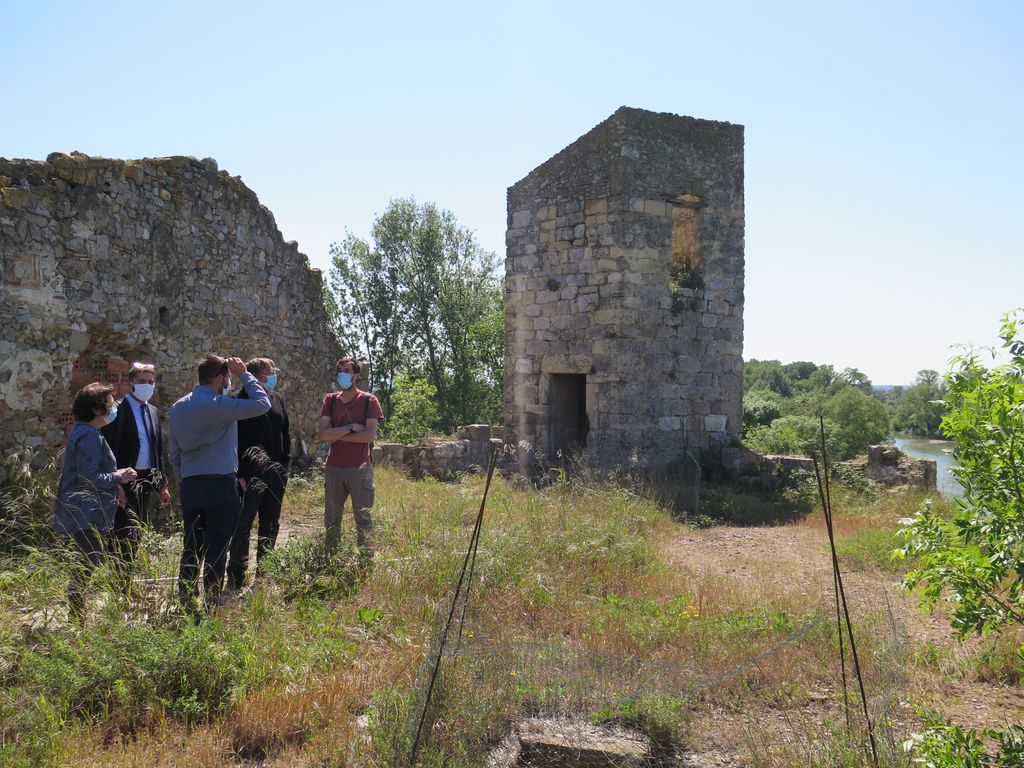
(975, 561)
(852, 377)
(768, 375)
(860, 421)
(365, 304)
(824, 381)
(977, 558)
(760, 408)
(920, 409)
(487, 345)
(795, 435)
(423, 299)
(799, 371)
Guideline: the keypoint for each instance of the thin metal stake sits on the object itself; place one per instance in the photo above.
(842, 596)
(474, 541)
(839, 616)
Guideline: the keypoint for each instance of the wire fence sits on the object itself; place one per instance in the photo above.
(565, 681)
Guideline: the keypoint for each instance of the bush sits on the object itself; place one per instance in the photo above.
(950, 746)
(663, 719)
(415, 410)
(853, 479)
(795, 435)
(760, 408)
(973, 560)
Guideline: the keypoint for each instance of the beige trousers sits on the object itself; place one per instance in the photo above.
(341, 483)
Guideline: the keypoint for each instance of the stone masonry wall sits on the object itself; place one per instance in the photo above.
(161, 260)
(468, 450)
(590, 289)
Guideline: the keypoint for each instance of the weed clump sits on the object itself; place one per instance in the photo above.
(304, 569)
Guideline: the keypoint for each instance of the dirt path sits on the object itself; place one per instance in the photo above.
(794, 560)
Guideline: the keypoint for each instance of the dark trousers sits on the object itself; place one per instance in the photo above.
(144, 495)
(91, 546)
(263, 498)
(210, 508)
(142, 498)
(125, 536)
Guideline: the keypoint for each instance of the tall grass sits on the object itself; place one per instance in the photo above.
(573, 611)
(27, 488)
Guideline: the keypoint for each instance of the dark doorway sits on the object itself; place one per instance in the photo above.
(568, 413)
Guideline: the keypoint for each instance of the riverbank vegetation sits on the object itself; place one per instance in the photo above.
(782, 405)
(783, 402)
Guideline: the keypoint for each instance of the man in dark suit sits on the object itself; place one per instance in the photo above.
(136, 439)
(264, 453)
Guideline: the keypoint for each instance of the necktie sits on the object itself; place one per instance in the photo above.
(148, 426)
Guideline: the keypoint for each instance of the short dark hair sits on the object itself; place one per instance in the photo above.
(348, 359)
(137, 368)
(257, 364)
(211, 367)
(91, 401)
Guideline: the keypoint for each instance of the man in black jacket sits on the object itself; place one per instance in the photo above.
(136, 439)
(264, 454)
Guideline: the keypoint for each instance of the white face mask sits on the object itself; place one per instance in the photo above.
(143, 392)
(227, 387)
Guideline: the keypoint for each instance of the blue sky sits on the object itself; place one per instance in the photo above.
(883, 163)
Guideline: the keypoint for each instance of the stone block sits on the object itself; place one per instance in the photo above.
(587, 302)
(16, 198)
(655, 208)
(477, 432)
(715, 422)
(521, 218)
(393, 454)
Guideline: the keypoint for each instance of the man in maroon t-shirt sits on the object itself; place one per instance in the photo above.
(348, 421)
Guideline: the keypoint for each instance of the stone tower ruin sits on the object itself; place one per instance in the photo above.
(162, 260)
(624, 293)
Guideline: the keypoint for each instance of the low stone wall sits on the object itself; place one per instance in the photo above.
(469, 450)
(883, 464)
(888, 465)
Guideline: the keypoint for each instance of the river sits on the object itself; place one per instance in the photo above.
(941, 452)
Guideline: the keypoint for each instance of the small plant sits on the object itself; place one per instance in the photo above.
(662, 718)
(129, 676)
(305, 569)
(368, 616)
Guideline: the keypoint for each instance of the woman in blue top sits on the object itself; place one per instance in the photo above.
(90, 486)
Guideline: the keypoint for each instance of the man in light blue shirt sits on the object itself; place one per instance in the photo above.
(203, 453)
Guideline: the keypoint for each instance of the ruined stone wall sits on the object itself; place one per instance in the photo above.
(624, 282)
(161, 260)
